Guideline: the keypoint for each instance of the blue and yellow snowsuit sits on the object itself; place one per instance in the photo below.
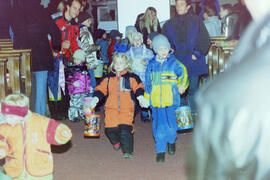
(161, 87)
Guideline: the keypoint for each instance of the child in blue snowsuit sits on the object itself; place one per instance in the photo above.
(165, 79)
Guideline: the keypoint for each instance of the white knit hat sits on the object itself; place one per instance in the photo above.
(79, 54)
(159, 41)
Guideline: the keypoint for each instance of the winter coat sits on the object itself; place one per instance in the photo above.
(103, 55)
(70, 31)
(80, 74)
(136, 55)
(213, 26)
(121, 90)
(162, 81)
(87, 44)
(188, 36)
(30, 145)
(31, 26)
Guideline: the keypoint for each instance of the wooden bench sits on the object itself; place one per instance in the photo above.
(18, 67)
(218, 56)
(3, 78)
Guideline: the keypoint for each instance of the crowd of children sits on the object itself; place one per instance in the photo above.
(137, 76)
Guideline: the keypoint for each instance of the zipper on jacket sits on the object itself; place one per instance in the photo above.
(118, 89)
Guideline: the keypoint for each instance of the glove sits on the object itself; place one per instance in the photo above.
(93, 102)
(3, 153)
(181, 89)
(76, 84)
(143, 102)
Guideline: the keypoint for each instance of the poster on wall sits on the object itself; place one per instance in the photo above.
(129, 10)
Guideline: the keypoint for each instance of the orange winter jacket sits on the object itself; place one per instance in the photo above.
(122, 90)
(28, 145)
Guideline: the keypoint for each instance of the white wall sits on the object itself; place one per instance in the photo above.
(128, 11)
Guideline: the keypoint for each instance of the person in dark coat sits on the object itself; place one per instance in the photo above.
(31, 26)
(190, 41)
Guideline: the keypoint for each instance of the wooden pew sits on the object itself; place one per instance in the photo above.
(3, 78)
(218, 56)
(18, 65)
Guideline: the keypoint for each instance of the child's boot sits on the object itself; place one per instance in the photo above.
(171, 149)
(160, 157)
(128, 155)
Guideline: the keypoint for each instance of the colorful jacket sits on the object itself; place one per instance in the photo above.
(138, 54)
(80, 74)
(29, 144)
(121, 90)
(70, 31)
(87, 44)
(162, 81)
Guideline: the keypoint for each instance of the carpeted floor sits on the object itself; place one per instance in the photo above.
(92, 159)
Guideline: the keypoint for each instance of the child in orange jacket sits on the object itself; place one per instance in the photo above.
(121, 86)
(25, 139)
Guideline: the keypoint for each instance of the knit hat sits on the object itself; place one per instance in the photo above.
(114, 33)
(130, 28)
(83, 16)
(159, 41)
(79, 54)
(152, 35)
(99, 33)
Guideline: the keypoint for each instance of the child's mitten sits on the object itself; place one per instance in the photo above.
(94, 102)
(143, 102)
(76, 84)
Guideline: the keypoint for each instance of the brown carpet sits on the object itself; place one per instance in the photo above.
(90, 159)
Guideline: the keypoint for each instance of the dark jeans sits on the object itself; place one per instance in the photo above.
(121, 134)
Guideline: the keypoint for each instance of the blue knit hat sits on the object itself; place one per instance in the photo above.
(159, 41)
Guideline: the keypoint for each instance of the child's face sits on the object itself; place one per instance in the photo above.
(13, 120)
(87, 22)
(163, 52)
(77, 61)
(104, 36)
(149, 42)
(117, 38)
(119, 65)
(137, 41)
(205, 16)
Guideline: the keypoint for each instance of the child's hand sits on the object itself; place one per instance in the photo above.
(143, 102)
(181, 89)
(143, 62)
(194, 57)
(93, 102)
(3, 153)
(65, 133)
(76, 84)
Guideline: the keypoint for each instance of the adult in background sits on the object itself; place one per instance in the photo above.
(147, 22)
(231, 138)
(205, 3)
(70, 32)
(190, 41)
(31, 25)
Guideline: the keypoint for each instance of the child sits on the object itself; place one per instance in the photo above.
(25, 139)
(104, 45)
(139, 56)
(165, 78)
(115, 36)
(150, 38)
(121, 86)
(78, 79)
(87, 44)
